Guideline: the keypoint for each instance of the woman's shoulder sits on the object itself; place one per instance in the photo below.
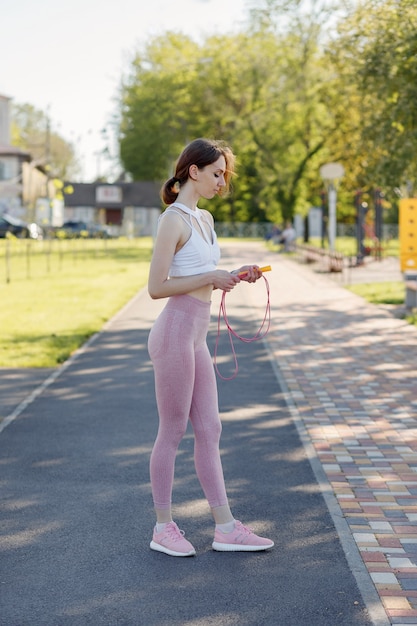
(173, 226)
(171, 212)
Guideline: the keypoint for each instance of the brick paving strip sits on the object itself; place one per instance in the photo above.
(349, 370)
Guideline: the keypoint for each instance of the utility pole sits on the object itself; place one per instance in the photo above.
(48, 163)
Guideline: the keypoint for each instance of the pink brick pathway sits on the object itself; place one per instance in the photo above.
(350, 370)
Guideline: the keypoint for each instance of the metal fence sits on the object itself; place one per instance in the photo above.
(389, 231)
(243, 229)
(261, 230)
(25, 258)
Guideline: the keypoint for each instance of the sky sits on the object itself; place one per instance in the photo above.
(67, 58)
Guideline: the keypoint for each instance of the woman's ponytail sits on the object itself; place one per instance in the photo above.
(170, 190)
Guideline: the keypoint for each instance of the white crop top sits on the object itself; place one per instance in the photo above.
(200, 253)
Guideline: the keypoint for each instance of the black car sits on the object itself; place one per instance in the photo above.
(18, 228)
(82, 229)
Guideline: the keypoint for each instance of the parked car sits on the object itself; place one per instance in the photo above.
(19, 228)
(82, 229)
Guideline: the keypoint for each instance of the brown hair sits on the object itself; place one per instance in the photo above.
(200, 152)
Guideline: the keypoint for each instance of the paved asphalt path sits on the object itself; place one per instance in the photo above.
(76, 511)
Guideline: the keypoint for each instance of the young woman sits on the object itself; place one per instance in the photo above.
(183, 269)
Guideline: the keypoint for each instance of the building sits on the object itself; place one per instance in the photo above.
(11, 166)
(26, 191)
(130, 209)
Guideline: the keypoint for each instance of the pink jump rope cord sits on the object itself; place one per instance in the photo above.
(261, 332)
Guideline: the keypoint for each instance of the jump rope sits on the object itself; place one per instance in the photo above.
(261, 332)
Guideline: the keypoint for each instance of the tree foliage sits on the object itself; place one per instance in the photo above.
(387, 69)
(302, 85)
(255, 90)
(31, 132)
(374, 56)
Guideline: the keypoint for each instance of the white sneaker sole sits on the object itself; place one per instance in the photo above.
(159, 548)
(235, 547)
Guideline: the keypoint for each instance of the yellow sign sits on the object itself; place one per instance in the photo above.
(408, 233)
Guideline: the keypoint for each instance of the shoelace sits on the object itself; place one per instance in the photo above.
(244, 532)
(243, 528)
(261, 332)
(174, 533)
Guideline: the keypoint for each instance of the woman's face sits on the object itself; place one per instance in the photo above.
(210, 179)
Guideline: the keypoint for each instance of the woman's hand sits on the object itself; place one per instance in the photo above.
(224, 280)
(249, 273)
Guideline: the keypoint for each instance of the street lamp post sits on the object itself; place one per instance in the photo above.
(330, 173)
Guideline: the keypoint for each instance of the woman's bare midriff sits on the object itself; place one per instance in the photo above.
(203, 293)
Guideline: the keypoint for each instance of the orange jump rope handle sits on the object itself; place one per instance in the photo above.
(266, 268)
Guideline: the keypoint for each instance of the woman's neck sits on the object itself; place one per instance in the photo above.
(189, 199)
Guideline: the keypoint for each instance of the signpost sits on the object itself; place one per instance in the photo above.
(330, 173)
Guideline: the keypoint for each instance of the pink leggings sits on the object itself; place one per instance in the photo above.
(186, 389)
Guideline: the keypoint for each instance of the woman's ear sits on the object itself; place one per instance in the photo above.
(193, 172)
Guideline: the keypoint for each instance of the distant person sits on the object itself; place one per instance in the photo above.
(274, 234)
(288, 237)
(183, 269)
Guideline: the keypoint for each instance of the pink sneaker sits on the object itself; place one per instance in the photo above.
(171, 541)
(241, 539)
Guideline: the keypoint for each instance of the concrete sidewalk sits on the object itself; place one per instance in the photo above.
(341, 506)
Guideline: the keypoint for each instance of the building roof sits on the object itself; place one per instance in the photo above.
(6, 150)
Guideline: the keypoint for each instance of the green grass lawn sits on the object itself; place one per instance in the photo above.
(55, 294)
(381, 293)
(384, 293)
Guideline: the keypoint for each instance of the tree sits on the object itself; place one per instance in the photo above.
(263, 101)
(31, 132)
(389, 72)
(157, 114)
(288, 94)
(376, 56)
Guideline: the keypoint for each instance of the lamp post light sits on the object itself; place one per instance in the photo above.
(330, 173)
(323, 196)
